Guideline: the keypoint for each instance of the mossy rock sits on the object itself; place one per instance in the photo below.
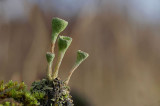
(56, 93)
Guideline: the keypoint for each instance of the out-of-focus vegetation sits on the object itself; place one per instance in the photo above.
(16, 94)
(123, 67)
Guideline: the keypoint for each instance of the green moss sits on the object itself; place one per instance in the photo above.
(17, 91)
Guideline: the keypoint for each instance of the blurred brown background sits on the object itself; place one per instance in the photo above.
(122, 38)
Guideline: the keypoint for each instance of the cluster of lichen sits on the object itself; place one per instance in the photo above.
(50, 91)
(56, 92)
(58, 25)
(18, 92)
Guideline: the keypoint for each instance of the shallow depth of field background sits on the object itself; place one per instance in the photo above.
(121, 36)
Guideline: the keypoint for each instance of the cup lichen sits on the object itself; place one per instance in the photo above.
(58, 25)
(49, 91)
(49, 56)
(63, 44)
(81, 56)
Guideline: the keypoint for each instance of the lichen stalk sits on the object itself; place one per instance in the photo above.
(49, 56)
(81, 56)
(63, 44)
(49, 72)
(70, 73)
(58, 25)
(59, 61)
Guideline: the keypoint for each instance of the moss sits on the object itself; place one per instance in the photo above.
(18, 92)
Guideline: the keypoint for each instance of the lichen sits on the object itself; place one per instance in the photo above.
(50, 91)
(56, 93)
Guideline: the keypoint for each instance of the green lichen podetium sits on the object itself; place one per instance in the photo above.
(49, 56)
(63, 44)
(54, 91)
(51, 90)
(81, 56)
(58, 25)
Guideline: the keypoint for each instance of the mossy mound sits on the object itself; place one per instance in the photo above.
(56, 93)
(16, 93)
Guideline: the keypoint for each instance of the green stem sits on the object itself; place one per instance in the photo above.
(49, 56)
(71, 72)
(53, 40)
(81, 56)
(59, 61)
(49, 71)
